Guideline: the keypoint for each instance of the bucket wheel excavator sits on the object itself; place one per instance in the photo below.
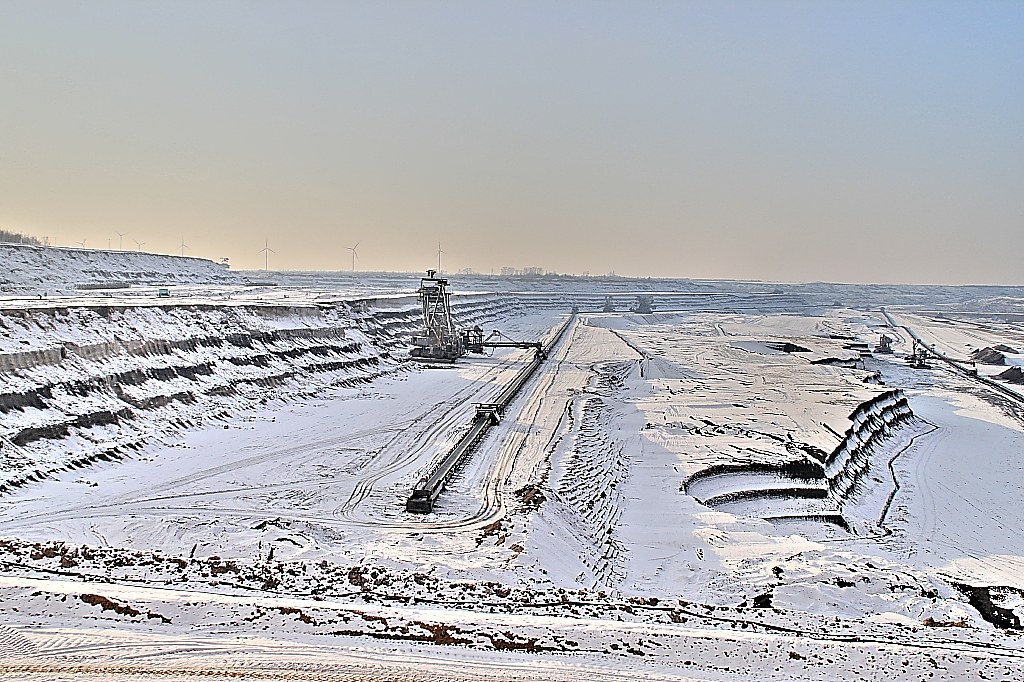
(440, 340)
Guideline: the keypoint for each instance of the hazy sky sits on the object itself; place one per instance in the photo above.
(842, 141)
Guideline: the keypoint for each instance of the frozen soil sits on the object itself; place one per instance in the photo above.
(674, 496)
(35, 270)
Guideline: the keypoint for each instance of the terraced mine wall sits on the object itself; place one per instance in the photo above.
(828, 479)
(96, 383)
(37, 269)
(871, 424)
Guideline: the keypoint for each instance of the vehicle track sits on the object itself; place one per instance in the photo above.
(404, 450)
(409, 445)
(492, 505)
(708, 620)
(933, 494)
(925, 493)
(425, 439)
(304, 671)
(938, 341)
(371, 670)
(317, 446)
(311, 450)
(450, 415)
(508, 450)
(492, 499)
(1007, 333)
(133, 501)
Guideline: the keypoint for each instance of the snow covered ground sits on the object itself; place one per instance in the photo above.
(714, 495)
(34, 270)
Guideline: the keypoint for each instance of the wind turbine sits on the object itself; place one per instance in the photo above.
(120, 239)
(354, 255)
(439, 252)
(139, 243)
(183, 246)
(82, 243)
(266, 251)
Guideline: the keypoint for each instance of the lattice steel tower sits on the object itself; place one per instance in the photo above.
(440, 339)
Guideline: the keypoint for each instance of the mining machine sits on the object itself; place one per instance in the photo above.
(441, 341)
(918, 358)
(644, 305)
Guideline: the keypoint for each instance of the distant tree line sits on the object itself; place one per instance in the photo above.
(8, 237)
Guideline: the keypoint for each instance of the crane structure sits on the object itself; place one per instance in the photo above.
(441, 340)
(644, 305)
(918, 358)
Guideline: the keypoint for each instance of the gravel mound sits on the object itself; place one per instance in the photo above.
(989, 356)
(1012, 375)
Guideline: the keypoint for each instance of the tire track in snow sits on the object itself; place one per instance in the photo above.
(132, 501)
(498, 472)
(437, 418)
(425, 440)
(502, 466)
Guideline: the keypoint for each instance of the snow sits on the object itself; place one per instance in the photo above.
(37, 269)
(962, 497)
(672, 495)
(601, 647)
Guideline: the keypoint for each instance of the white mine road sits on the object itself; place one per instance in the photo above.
(676, 496)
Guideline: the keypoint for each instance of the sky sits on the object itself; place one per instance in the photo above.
(784, 141)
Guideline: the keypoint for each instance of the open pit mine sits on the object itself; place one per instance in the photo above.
(426, 476)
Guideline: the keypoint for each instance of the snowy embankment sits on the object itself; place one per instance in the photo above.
(818, 485)
(872, 423)
(774, 426)
(195, 599)
(37, 269)
(94, 383)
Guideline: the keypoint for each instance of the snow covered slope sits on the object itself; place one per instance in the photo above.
(92, 382)
(37, 269)
(741, 493)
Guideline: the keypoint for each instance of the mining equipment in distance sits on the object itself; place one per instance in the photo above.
(441, 341)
